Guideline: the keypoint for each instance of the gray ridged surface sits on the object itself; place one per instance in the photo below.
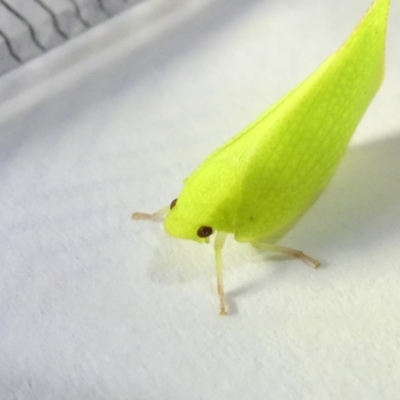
(29, 28)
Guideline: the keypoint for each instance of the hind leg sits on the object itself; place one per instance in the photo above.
(288, 252)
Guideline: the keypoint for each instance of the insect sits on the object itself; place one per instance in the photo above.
(258, 184)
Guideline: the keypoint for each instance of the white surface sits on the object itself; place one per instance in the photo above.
(95, 306)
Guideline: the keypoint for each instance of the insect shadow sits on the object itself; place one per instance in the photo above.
(361, 206)
(359, 210)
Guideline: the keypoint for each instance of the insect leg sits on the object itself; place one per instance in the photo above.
(153, 217)
(288, 251)
(218, 245)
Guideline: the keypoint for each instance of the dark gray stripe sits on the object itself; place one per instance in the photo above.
(101, 5)
(22, 18)
(53, 18)
(9, 47)
(79, 15)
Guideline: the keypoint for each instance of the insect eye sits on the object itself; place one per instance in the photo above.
(173, 204)
(204, 231)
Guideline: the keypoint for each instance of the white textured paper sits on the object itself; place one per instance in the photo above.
(96, 306)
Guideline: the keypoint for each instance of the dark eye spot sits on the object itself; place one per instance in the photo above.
(204, 231)
(173, 204)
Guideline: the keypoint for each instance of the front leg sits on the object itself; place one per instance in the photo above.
(218, 245)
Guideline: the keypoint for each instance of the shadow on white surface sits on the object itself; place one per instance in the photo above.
(359, 211)
(361, 208)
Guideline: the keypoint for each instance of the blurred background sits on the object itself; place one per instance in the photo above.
(31, 27)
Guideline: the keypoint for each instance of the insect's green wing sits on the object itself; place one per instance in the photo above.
(297, 146)
(262, 180)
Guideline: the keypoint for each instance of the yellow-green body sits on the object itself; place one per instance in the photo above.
(260, 182)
